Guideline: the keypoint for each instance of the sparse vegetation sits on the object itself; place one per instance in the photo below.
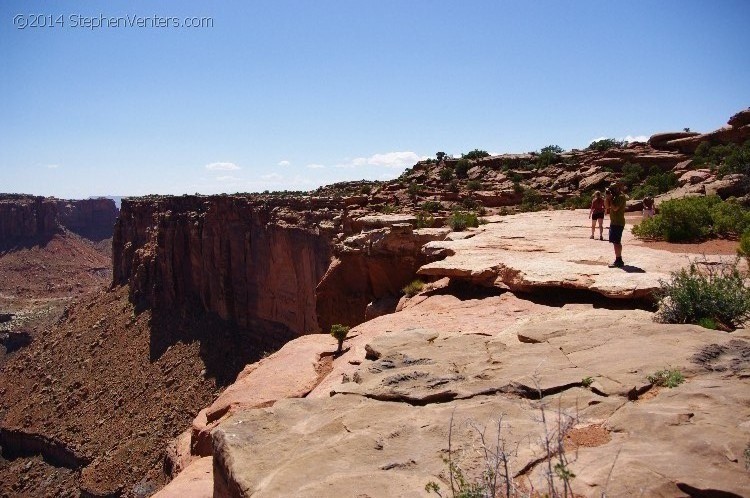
(605, 144)
(693, 219)
(705, 291)
(531, 200)
(446, 174)
(475, 154)
(725, 159)
(744, 248)
(413, 288)
(431, 206)
(339, 332)
(388, 209)
(587, 381)
(414, 189)
(424, 220)
(462, 168)
(670, 378)
(549, 155)
(461, 220)
(474, 185)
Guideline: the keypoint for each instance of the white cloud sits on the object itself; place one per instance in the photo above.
(272, 176)
(52, 166)
(284, 163)
(222, 167)
(637, 138)
(397, 160)
(227, 178)
(316, 166)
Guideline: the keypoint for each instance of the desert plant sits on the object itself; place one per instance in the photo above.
(744, 248)
(413, 288)
(446, 174)
(679, 220)
(431, 206)
(440, 156)
(461, 220)
(605, 144)
(587, 381)
(631, 174)
(462, 168)
(548, 155)
(531, 200)
(475, 154)
(388, 209)
(669, 377)
(414, 189)
(424, 220)
(714, 291)
(474, 185)
(339, 332)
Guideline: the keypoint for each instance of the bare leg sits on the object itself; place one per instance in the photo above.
(618, 251)
(593, 226)
(601, 227)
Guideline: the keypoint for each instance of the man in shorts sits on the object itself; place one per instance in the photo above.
(616, 203)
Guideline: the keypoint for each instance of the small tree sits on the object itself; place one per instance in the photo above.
(339, 332)
(440, 156)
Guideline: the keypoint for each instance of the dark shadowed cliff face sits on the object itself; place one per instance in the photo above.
(242, 258)
(26, 218)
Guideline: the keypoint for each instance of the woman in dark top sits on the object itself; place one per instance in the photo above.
(597, 213)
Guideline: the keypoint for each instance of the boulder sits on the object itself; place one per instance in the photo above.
(658, 140)
(742, 118)
(693, 177)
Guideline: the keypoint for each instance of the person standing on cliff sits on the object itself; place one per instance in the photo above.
(616, 202)
(597, 213)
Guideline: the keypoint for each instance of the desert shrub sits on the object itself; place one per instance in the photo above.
(643, 191)
(578, 202)
(461, 220)
(339, 332)
(453, 186)
(462, 168)
(474, 185)
(669, 377)
(388, 209)
(549, 155)
(605, 144)
(475, 154)
(414, 189)
(744, 247)
(694, 218)
(446, 174)
(413, 288)
(679, 220)
(440, 156)
(714, 291)
(470, 203)
(631, 174)
(729, 219)
(517, 187)
(730, 158)
(531, 200)
(431, 206)
(424, 220)
(587, 381)
(365, 189)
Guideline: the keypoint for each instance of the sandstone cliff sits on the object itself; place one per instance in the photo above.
(33, 217)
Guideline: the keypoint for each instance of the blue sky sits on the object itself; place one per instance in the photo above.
(292, 95)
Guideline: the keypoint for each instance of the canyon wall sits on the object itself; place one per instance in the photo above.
(33, 217)
(240, 257)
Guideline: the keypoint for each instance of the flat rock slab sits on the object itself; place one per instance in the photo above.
(552, 249)
(382, 430)
(196, 481)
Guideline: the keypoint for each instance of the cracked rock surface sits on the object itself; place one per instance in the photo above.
(382, 429)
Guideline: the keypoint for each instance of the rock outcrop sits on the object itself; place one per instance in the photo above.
(26, 217)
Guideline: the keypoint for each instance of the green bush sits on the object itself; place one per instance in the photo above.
(605, 144)
(549, 155)
(475, 154)
(730, 158)
(631, 174)
(339, 332)
(667, 378)
(707, 291)
(431, 206)
(744, 248)
(531, 200)
(461, 220)
(693, 219)
(424, 220)
(462, 168)
(446, 174)
(414, 288)
(414, 189)
(474, 185)
(453, 186)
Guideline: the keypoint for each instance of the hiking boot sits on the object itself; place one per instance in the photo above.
(591, 237)
(601, 238)
(617, 264)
